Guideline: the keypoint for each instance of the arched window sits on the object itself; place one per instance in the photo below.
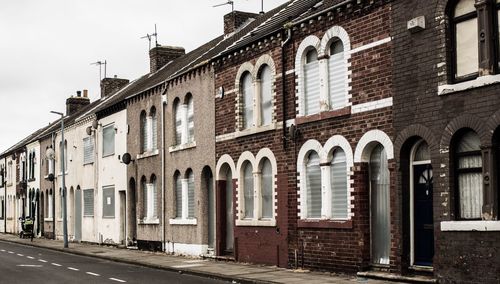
(178, 195)
(469, 179)
(247, 96)
(267, 190)
(379, 205)
(178, 122)
(466, 39)
(266, 104)
(338, 180)
(144, 132)
(154, 129)
(337, 75)
(190, 119)
(311, 82)
(248, 190)
(144, 189)
(313, 183)
(190, 193)
(153, 197)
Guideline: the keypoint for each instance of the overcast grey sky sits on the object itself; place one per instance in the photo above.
(47, 47)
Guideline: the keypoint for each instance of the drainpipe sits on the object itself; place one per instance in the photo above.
(5, 194)
(163, 98)
(53, 190)
(288, 32)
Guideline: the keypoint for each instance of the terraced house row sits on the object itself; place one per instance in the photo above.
(357, 136)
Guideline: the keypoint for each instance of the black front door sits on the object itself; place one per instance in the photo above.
(423, 221)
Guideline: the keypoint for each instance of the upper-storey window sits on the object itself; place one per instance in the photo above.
(149, 141)
(266, 104)
(88, 150)
(108, 140)
(144, 131)
(247, 95)
(2, 175)
(184, 120)
(65, 156)
(311, 83)
(469, 178)
(337, 75)
(475, 32)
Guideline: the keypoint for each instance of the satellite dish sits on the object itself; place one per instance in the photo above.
(220, 92)
(51, 178)
(95, 124)
(89, 130)
(50, 154)
(126, 158)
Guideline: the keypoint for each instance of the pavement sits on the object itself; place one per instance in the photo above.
(219, 270)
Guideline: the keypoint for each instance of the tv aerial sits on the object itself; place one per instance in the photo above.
(100, 63)
(229, 2)
(150, 36)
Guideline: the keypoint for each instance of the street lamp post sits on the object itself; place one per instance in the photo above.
(63, 191)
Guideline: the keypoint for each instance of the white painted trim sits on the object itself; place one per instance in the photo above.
(478, 82)
(186, 249)
(481, 226)
(255, 223)
(369, 106)
(224, 159)
(249, 131)
(178, 221)
(181, 147)
(366, 144)
(371, 45)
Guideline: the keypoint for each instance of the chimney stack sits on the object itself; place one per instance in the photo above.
(112, 85)
(236, 19)
(161, 55)
(74, 104)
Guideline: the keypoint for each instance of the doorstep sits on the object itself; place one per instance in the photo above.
(396, 277)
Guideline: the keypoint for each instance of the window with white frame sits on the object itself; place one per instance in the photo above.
(88, 202)
(266, 190)
(311, 83)
(108, 202)
(339, 189)
(65, 156)
(149, 131)
(9, 172)
(313, 183)
(185, 196)
(266, 95)
(50, 204)
(247, 94)
(150, 199)
(337, 75)
(184, 120)
(108, 140)
(61, 198)
(469, 176)
(248, 191)
(88, 150)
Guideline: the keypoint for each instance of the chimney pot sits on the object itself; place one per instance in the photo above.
(85, 93)
(78, 93)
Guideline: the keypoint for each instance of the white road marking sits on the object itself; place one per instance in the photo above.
(10, 251)
(56, 264)
(42, 260)
(74, 269)
(20, 254)
(30, 257)
(118, 280)
(92, 273)
(193, 261)
(30, 265)
(2, 250)
(187, 265)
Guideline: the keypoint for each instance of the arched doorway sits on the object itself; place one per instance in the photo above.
(421, 209)
(208, 186)
(132, 212)
(71, 210)
(78, 214)
(225, 212)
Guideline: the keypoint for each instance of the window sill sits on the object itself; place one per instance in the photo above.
(88, 164)
(480, 226)
(467, 85)
(65, 173)
(108, 217)
(255, 130)
(88, 216)
(149, 222)
(192, 221)
(31, 180)
(9, 184)
(181, 147)
(323, 115)
(108, 155)
(148, 154)
(10, 218)
(332, 224)
(256, 223)
(48, 220)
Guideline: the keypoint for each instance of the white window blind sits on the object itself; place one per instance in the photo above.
(337, 75)
(248, 190)
(88, 202)
(154, 129)
(313, 183)
(150, 204)
(108, 143)
(108, 202)
(144, 189)
(311, 83)
(267, 190)
(50, 206)
(247, 95)
(467, 50)
(191, 200)
(190, 120)
(178, 124)
(464, 7)
(144, 132)
(154, 198)
(88, 150)
(338, 179)
(178, 197)
(266, 107)
(379, 203)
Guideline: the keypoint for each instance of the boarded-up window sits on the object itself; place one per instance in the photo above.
(313, 183)
(267, 189)
(88, 202)
(248, 190)
(191, 199)
(338, 179)
(266, 104)
(108, 202)
(311, 83)
(88, 150)
(247, 95)
(470, 180)
(337, 75)
(178, 197)
(108, 143)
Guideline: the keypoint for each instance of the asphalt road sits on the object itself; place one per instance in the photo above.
(27, 265)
